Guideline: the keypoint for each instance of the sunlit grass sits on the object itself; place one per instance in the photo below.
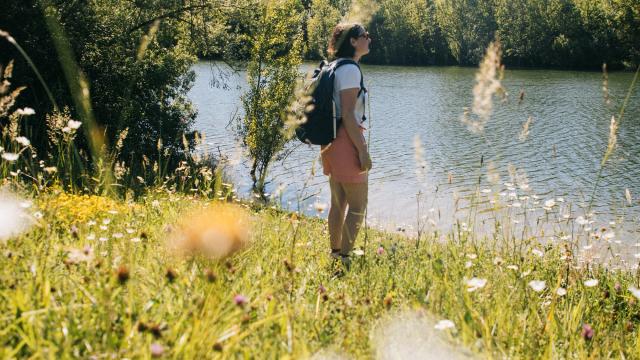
(102, 282)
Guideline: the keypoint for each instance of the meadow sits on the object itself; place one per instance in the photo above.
(96, 262)
(94, 277)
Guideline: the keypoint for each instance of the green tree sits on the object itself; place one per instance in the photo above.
(135, 55)
(468, 26)
(324, 17)
(272, 73)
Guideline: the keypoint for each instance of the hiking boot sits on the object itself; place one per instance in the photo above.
(346, 261)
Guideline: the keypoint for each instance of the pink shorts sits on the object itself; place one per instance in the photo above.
(340, 159)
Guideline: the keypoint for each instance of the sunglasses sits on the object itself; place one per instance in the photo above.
(365, 35)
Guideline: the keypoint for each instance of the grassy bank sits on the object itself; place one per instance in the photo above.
(93, 278)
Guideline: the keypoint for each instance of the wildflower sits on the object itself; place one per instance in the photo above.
(380, 250)
(468, 264)
(216, 232)
(609, 235)
(240, 300)
(76, 256)
(10, 156)
(23, 141)
(549, 204)
(486, 191)
(497, 261)
(13, 219)
(561, 291)
(211, 276)
(50, 169)
(388, 301)
(635, 291)
(74, 125)
(587, 332)
(155, 203)
(157, 350)
(25, 111)
(512, 267)
(537, 285)
(580, 220)
(320, 207)
(322, 289)
(444, 324)
(358, 252)
(617, 287)
(171, 275)
(591, 283)
(537, 253)
(117, 235)
(475, 284)
(135, 239)
(122, 274)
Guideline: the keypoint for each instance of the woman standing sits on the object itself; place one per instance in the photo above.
(346, 160)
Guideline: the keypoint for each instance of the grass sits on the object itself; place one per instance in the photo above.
(130, 298)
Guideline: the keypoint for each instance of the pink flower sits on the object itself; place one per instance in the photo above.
(157, 350)
(380, 250)
(587, 331)
(240, 300)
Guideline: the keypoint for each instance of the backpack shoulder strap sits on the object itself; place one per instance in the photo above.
(341, 62)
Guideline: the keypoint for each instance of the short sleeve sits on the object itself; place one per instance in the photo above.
(347, 77)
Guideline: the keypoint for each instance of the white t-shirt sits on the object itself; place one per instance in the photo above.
(348, 77)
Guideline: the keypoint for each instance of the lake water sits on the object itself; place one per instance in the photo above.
(558, 161)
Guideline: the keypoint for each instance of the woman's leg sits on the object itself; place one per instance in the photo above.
(356, 195)
(336, 214)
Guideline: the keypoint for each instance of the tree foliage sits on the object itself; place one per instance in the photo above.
(272, 72)
(534, 33)
(136, 57)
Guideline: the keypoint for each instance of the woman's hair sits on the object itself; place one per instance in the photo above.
(340, 44)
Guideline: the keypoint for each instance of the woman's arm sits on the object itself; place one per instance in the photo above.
(348, 98)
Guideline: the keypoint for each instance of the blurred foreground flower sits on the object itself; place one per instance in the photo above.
(13, 218)
(587, 332)
(444, 324)
(215, 232)
(537, 285)
(475, 284)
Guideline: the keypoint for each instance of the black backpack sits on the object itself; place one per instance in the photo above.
(320, 127)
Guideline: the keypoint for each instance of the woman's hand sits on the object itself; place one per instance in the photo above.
(365, 160)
